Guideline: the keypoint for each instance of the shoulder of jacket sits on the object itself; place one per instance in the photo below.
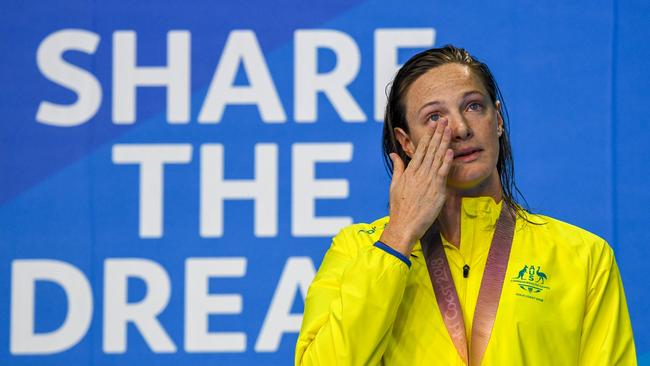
(566, 234)
(594, 252)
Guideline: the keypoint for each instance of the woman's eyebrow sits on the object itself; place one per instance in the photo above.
(471, 93)
(429, 104)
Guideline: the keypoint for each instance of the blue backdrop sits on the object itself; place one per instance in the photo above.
(147, 144)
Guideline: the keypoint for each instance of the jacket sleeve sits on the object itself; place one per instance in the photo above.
(606, 337)
(351, 304)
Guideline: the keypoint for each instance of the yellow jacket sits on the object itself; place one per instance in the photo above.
(562, 301)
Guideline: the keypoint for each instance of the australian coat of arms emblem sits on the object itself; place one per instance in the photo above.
(532, 280)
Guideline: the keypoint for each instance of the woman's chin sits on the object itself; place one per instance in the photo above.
(464, 185)
(470, 183)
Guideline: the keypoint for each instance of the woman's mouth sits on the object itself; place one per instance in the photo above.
(467, 155)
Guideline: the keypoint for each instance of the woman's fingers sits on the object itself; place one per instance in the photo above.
(434, 145)
(443, 172)
(441, 150)
(398, 168)
(421, 149)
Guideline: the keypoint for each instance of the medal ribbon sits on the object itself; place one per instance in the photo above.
(489, 292)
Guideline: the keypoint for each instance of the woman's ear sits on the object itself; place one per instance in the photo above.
(405, 141)
(497, 105)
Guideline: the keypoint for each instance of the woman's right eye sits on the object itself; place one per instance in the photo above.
(434, 117)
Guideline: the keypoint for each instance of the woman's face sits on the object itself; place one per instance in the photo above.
(453, 93)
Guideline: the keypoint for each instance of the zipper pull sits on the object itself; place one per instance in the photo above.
(465, 271)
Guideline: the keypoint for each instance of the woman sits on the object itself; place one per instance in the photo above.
(461, 274)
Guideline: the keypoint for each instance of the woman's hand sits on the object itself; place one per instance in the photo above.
(418, 192)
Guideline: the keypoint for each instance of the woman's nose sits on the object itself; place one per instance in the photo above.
(460, 129)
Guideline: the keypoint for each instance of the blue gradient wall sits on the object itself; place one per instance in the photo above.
(574, 78)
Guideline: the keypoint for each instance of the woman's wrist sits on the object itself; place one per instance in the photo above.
(398, 240)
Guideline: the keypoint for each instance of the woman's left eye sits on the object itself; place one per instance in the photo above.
(474, 107)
